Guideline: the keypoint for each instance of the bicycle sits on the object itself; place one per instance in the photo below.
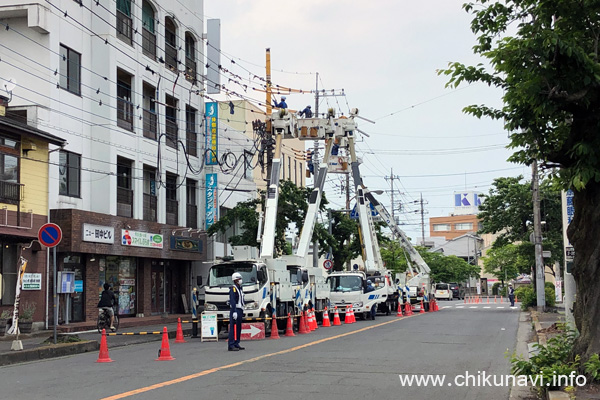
(104, 320)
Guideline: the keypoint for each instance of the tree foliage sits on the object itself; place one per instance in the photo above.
(443, 268)
(344, 241)
(548, 70)
(506, 262)
(393, 256)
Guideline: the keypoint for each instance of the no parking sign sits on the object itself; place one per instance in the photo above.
(327, 264)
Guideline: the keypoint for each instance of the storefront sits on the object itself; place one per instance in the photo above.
(121, 274)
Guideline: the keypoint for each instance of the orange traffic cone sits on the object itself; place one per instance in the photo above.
(353, 315)
(465, 299)
(488, 299)
(399, 313)
(179, 336)
(326, 322)
(311, 320)
(494, 299)
(316, 324)
(516, 299)
(347, 318)
(406, 309)
(165, 351)
(422, 310)
(103, 356)
(301, 324)
(336, 318)
(500, 299)
(306, 321)
(274, 329)
(289, 330)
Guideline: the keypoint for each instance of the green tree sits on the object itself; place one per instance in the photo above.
(343, 240)
(505, 262)
(548, 71)
(393, 256)
(443, 268)
(245, 213)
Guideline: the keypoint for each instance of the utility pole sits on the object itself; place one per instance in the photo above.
(391, 178)
(537, 240)
(422, 222)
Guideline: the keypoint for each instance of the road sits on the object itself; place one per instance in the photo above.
(357, 361)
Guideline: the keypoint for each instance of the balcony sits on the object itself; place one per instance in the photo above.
(124, 202)
(191, 219)
(191, 143)
(150, 207)
(171, 133)
(150, 124)
(171, 57)
(190, 69)
(124, 114)
(172, 217)
(11, 192)
(124, 28)
(149, 44)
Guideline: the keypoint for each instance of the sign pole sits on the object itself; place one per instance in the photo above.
(54, 292)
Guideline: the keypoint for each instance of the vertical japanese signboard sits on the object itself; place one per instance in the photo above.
(212, 201)
(212, 130)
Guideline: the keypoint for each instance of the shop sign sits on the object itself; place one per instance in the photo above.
(141, 239)
(208, 326)
(32, 281)
(78, 286)
(98, 234)
(127, 282)
(186, 244)
(212, 205)
(212, 129)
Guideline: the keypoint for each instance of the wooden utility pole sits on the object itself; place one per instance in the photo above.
(537, 240)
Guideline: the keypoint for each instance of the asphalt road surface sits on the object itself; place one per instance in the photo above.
(357, 361)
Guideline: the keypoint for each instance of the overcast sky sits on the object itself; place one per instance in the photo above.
(384, 54)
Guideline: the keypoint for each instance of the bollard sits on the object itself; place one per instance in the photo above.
(194, 328)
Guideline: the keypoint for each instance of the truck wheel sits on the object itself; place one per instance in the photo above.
(268, 322)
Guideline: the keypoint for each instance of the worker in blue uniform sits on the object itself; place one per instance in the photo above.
(236, 313)
(282, 103)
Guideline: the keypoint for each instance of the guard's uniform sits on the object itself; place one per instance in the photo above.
(236, 303)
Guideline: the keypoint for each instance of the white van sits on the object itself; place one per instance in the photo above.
(443, 291)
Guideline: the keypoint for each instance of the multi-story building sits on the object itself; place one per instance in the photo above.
(23, 209)
(121, 82)
(462, 221)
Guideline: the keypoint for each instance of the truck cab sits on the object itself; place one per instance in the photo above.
(348, 288)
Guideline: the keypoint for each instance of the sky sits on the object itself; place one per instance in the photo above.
(384, 54)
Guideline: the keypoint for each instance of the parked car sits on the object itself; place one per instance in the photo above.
(443, 291)
(456, 290)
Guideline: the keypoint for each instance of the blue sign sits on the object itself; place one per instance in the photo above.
(570, 207)
(354, 212)
(212, 200)
(211, 129)
(50, 235)
(78, 286)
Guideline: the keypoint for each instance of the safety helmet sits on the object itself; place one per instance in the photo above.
(282, 97)
(369, 281)
(236, 276)
(308, 106)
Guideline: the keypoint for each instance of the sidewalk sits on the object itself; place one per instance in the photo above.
(39, 345)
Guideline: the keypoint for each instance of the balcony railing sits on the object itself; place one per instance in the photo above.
(124, 27)
(150, 207)
(150, 124)
(191, 143)
(170, 57)
(124, 202)
(11, 192)
(124, 114)
(171, 131)
(191, 218)
(172, 206)
(190, 69)
(149, 43)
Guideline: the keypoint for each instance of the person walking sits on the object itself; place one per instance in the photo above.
(236, 313)
(371, 288)
(511, 294)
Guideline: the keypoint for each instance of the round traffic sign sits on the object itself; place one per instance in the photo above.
(50, 235)
(327, 264)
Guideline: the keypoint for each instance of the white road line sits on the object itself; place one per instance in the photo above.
(499, 307)
(514, 308)
(447, 306)
(487, 307)
(460, 306)
(473, 307)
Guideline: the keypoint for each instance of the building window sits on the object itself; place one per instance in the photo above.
(124, 23)
(70, 70)
(441, 227)
(124, 188)
(10, 189)
(248, 170)
(124, 104)
(289, 168)
(150, 117)
(171, 121)
(296, 172)
(191, 136)
(192, 205)
(170, 44)
(172, 204)
(148, 32)
(190, 58)
(150, 200)
(464, 226)
(69, 173)
(8, 273)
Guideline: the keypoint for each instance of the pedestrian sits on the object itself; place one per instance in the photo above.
(511, 294)
(236, 313)
(371, 288)
(282, 103)
(307, 112)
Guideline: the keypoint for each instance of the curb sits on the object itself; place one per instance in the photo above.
(51, 351)
(538, 327)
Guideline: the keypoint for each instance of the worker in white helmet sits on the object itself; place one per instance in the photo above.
(282, 103)
(236, 313)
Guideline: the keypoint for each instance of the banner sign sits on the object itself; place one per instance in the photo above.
(211, 132)
(208, 327)
(98, 234)
(212, 201)
(141, 239)
(186, 244)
